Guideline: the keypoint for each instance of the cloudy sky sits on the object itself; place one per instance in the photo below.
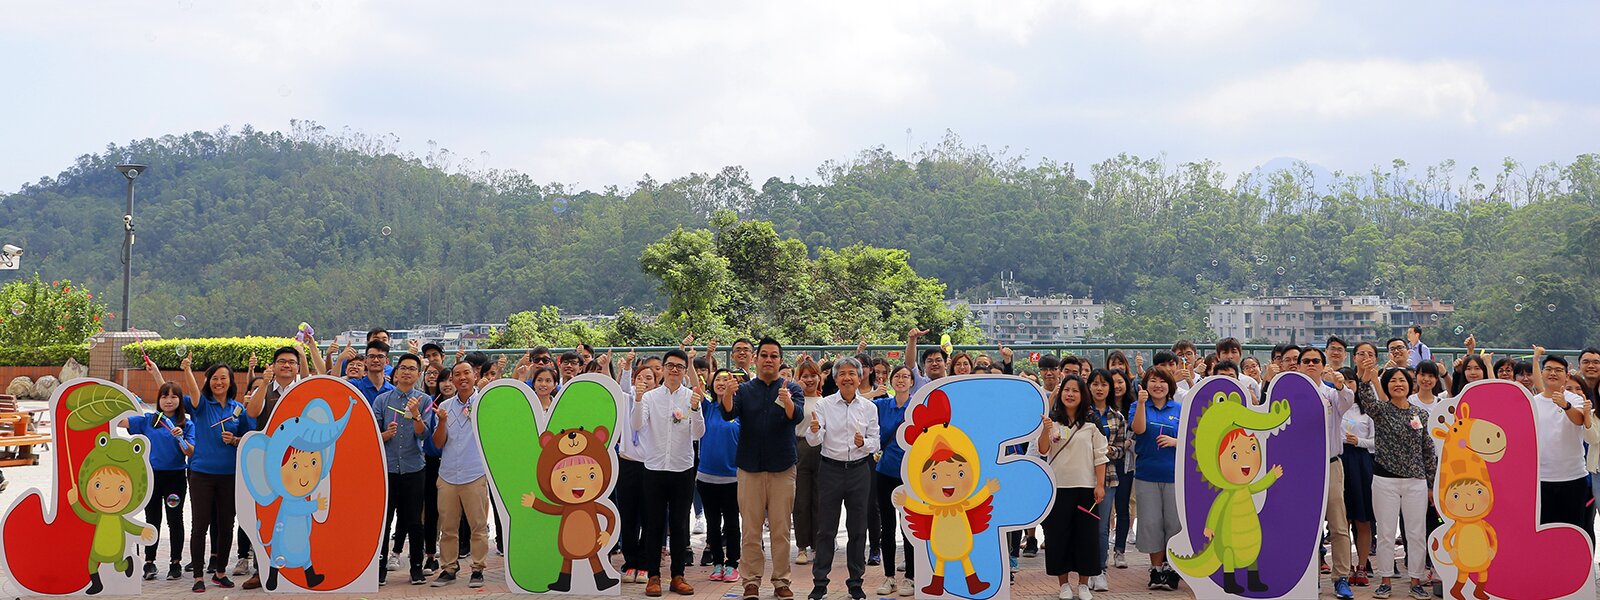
(598, 93)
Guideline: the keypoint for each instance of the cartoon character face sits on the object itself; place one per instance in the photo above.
(1239, 458)
(301, 472)
(1468, 500)
(578, 483)
(112, 478)
(109, 490)
(948, 482)
(572, 442)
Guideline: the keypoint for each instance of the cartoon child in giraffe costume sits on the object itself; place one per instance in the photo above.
(287, 466)
(1466, 496)
(111, 484)
(947, 506)
(1229, 455)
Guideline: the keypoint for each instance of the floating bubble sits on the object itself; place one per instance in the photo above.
(1117, 310)
(1291, 289)
(179, 321)
(1341, 293)
(1521, 280)
(1214, 262)
(1434, 317)
(1460, 330)
(173, 500)
(19, 307)
(1518, 307)
(1199, 277)
(181, 350)
(1377, 282)
(1293, 259)
(1282, 270)
(1186, 306)
(1132, 303)
(1255, 286)
(386, 231)
(1069, 297)
(1550, 307)
(1133, 313)
(1261, 259)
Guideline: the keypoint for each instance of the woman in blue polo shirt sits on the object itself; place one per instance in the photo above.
(171, 442)
(1155, 429)
(219, 422)
(891, 413)
(717, 480)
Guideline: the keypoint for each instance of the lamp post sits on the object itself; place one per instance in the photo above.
(131, 171)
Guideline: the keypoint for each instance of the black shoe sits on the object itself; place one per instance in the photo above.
(1230, 583)
(149, 571)
(1030, 547)
(1172, 578)
(705, 559)
(819, 592)
(95, 586)
(563, 583)
(221, 581)
(314, 579)
(1253, 581)
(272, 579)
(476, 581)
(444, 579)
(874, 559)
(603, 582)
(416, 576)
(174, 571)
(1157, 579)
(431, 565)
(858, 594)
(199, 586)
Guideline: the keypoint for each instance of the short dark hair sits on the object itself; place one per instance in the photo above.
(1309, 348)
(1393, 340)
(570, 356)
(1389, 374)
(932, 351)
(1522, 368)
(766, 341)
(432, 346)
(585, 347)
(1182, 345)
(539, 350)
(480, 362)
(1227, 344)
(1225, 365)
(1417, 329)
(745, 341)
(411, 357)
(379, 345)
(1172, 384)
(1589, 350)
(1334, 339)
(1548, 358)
(681, 355)
(286, 350)
(1163, 357)
(372, 333)
(1279, 349)
(1049, 361)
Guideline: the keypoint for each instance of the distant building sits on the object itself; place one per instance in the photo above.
(1027, 320)
(1311, 319)
(449, 336)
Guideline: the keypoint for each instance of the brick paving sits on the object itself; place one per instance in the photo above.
(1031, 581)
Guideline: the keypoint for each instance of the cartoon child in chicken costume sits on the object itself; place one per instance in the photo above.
(946, 505)
(287, 466)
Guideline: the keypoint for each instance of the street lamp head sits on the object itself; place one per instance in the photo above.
(130, 170)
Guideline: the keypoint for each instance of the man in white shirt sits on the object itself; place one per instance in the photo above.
(1335, 401)
(845, 427)
(463, 476)
(1230, 350)
(1564, 492)
(670, 417)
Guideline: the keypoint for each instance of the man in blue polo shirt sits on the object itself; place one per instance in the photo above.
(768, 409)
(374, 385)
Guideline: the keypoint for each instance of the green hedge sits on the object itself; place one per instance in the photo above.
(43, 356)
(235, 352)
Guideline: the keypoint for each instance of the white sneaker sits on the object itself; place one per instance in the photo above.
(907, 588)
(1118, 561)
(391, 562)
(1066, 592)
(888, 588)
(1083, 593)
(802, 557)
(1098, 583)
(699, 525)
(242, 567)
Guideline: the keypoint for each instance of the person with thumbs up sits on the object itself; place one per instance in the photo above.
(768, 409)
(399, 416)
(844, 475)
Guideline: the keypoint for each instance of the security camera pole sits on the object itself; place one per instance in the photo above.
(130, 171)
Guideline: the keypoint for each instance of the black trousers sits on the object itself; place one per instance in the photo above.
(890, 518)
(721, 501)
(1072, 534)
(213, 514)
(805, 493)
(1566, 502)
(405, 500)
(430, 506)
(631, 512)
(668, 499)
(168, 483)
(842, 486)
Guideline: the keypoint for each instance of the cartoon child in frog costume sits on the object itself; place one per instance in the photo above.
(1229, 455)
(286, 466)
(112, 483)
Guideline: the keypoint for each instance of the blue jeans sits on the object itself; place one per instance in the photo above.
(1124, 509)
(1104, 512)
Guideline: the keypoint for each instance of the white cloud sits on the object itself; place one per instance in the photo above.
(1323, 90)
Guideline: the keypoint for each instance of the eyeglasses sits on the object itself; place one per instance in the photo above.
(1310, 361)
(676, 366)
(1397, 348)
(377, 357)
(406, 368)
(286, 361)
(771, 356)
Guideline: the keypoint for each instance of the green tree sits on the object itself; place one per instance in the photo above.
(34, 313)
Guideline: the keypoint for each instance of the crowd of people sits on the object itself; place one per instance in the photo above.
(796, 450)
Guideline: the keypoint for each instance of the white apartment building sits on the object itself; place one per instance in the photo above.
(1028, 320)
(1312, 319)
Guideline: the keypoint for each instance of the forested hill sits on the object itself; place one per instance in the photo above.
(251, 231)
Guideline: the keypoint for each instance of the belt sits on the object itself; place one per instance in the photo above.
(1333, 460)
(847, 464)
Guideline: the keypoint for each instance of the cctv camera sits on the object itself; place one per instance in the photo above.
(127, 219)
(10, 250)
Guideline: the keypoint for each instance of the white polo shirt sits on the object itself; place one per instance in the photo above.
(1560, 441)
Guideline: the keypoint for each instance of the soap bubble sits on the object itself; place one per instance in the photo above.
(1459, 330)
(1293, 259)
(1518, 307)
(1377, 282)
(179, 321)
(1521, 280)
(1255, 286)
(1133, 303)
(1261, 259)
(1291, 289)
(1214, 262)
(173, 500)
(1199, 277)
(1341, 293)
(19, 307)
(1186, 306)
(1434, 317)
(1069, 297)
(1550, 307)
(1282, 270)
(386, 231)
(1118, 310)
(181, 350)
(1133, 313)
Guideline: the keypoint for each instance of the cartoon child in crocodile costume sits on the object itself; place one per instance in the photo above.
(287, 466)
(1229, 455)
(111, 484)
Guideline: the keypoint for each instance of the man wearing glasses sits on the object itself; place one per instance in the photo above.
(1558, 417)
(285, 371)
(374, 384)
(1335, 401)
(669, 416)
(402, 426)
(768, 409)
(744, 355)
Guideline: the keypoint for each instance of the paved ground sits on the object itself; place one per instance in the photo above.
(1031, 581)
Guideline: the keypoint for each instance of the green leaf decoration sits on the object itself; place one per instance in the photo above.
(94, 405)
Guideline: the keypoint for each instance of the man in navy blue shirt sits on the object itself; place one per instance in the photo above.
(768, 409)
(374, 385)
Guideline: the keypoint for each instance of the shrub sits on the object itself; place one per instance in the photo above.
(34, 313)
(42, 356)
(234, 352)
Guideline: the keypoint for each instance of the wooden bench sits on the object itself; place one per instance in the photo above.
(16, 431)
